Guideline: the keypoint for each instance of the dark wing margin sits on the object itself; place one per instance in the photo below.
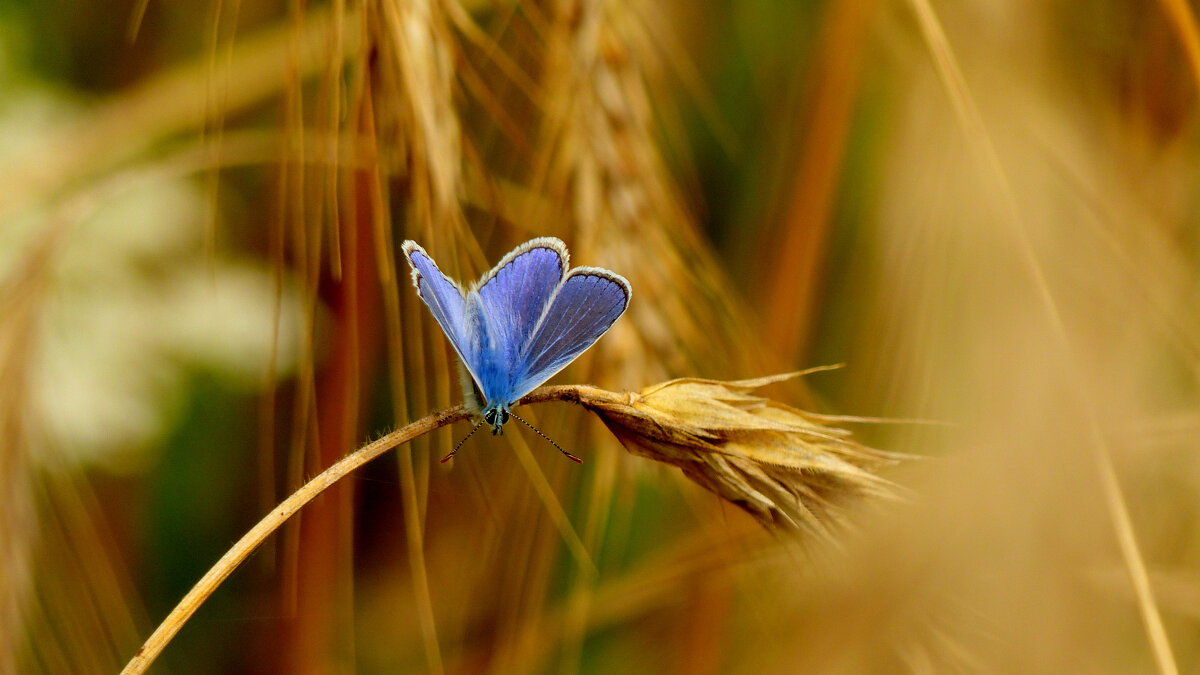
(587, 304)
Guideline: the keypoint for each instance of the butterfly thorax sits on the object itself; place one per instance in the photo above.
(495, 360)
(494, 414)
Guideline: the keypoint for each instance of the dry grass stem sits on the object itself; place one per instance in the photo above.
(249, 542)
(797, 243)
(20, 296)
(171, 102)
(420, 139)
(981, 143)
(986, 210)
(767, 458)
(1183, 20)
(979, 138)
(601, 157)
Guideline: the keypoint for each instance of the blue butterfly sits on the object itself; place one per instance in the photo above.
(521, 323)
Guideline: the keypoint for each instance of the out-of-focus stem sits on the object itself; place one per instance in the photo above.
(271, 522)
(249, 542)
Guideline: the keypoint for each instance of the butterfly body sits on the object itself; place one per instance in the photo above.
(522, 322)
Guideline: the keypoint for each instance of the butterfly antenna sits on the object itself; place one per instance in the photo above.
(571, 457)
(464, 440)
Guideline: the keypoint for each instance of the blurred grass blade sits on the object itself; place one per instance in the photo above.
(977, 135)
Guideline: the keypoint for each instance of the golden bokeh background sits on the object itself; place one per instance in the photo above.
(988, 211)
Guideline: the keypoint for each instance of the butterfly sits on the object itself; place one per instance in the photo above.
(521, 323)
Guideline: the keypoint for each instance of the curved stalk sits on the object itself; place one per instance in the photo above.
(271, 522)
(783, 468)
(249, 542)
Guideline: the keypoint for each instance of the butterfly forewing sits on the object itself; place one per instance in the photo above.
(446, 302)
(582, 310)
(515, 293)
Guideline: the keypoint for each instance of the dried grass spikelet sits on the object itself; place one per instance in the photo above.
(419, 127)
(607, 109)
(779, 464)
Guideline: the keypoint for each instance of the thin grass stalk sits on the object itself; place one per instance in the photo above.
(249, 542)
(599, 508)
(600, 164)
(103, 573)
(798, 243)
(1183, 20)
(558, 515)
(333, 89)
(164, 105)
(20, 301)
(758, 454)
(416, 121)
(289, 209)
(977, 136)
(71, 563)
(16, 543)
(135, 19)
(323, 627)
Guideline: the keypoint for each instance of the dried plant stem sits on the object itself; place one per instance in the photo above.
(171, 102)
(976, 130)
(413, 530)
(249, 542)
(1183, 20)
(715, 431)
(1135, 567)
(238, 553)
(557, 514)
(798, 243)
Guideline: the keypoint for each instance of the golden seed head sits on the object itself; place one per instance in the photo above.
(776, 462)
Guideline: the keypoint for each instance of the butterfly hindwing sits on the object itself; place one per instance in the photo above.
(583, 308)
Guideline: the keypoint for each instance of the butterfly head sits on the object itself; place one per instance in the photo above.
(496, 416)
